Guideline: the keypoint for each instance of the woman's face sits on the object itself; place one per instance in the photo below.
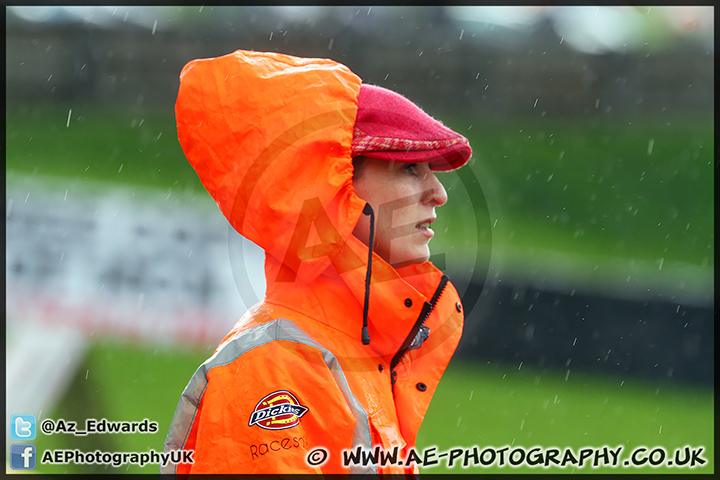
(403, 197)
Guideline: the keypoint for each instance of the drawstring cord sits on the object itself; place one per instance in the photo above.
(365, 334)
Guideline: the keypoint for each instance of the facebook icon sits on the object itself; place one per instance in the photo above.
(22, 456)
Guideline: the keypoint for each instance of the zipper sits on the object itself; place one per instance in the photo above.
(424, 314)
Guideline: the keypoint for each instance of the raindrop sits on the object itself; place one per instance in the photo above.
(271, 35)
(461, 34)
(330, 44)
(651, 142)
(154, 27)
(68, 119)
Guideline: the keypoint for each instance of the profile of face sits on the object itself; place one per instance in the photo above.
(403, 197)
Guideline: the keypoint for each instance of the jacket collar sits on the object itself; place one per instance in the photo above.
(336, 299)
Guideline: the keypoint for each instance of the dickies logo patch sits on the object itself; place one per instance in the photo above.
(277, 411)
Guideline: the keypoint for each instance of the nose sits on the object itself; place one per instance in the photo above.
(435, 193)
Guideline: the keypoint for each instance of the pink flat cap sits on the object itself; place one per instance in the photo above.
(390, 127)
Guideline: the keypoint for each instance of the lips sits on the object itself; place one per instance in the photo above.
(424, 227)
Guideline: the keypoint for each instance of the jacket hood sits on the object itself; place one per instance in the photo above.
(270, 137)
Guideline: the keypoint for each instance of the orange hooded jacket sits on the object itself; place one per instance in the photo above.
(270, 138)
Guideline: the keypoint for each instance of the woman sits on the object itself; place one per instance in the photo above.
(335, 180)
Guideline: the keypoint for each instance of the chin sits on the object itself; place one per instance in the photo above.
(412, 257)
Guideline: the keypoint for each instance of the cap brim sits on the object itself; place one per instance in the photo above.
(444, 160)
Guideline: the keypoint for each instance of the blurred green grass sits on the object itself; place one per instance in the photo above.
(597, 186)
(638, 188)
(122, 381)
(484, 405)
(509, 405)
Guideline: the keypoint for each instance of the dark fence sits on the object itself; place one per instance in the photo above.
(536, 327)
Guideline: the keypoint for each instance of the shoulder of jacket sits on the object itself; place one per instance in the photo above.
(248, 342)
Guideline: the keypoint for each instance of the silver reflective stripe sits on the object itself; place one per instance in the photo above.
(280, 329)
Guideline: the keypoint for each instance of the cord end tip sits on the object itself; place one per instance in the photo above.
(365, 336)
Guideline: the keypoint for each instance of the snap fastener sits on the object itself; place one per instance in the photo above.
(380, 367)
(408, 302)
(421, 386)
(458, 305)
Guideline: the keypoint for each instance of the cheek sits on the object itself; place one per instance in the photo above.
(403, 215)
(384, 192)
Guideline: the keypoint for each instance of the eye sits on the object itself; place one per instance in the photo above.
(412, 168)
